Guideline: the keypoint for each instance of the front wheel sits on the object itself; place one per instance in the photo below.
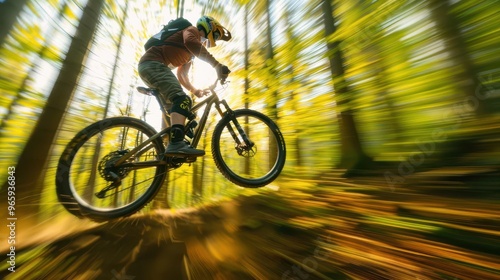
(248, 148)
(99, 178)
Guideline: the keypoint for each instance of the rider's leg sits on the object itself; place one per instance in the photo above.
(159, 76)
(177, 120)
(181, 106)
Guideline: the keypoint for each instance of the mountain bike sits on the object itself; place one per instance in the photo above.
(115, 166)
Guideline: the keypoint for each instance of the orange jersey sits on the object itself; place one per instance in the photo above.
(185, 44)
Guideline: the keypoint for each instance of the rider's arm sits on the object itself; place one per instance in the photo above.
(182, 75)
(194, 45)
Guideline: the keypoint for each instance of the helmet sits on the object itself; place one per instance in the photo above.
(213, 30)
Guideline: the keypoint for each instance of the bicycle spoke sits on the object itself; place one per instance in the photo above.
(118, 189)
(248, 150)
(98, 183)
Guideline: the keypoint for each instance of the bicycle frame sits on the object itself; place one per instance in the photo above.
(212, 100)
(126, 155)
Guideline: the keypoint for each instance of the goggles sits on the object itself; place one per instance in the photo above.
(216, 35)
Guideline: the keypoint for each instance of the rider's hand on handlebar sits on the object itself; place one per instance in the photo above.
(200, 92)
(222, 71)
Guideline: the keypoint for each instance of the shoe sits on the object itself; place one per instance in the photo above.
(182, 148)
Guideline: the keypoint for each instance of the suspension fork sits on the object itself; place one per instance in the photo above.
(230, 113)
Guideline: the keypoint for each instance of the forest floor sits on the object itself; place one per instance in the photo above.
(440, 224)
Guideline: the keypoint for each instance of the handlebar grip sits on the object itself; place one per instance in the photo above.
(225, 70)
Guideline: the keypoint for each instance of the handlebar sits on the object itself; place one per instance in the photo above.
(214, 85)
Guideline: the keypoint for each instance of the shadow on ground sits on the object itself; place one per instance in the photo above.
(442, 224)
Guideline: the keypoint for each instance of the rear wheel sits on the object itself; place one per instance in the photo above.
(252, 161)
(91, 184)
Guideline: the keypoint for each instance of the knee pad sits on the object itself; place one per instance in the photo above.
(182, 105)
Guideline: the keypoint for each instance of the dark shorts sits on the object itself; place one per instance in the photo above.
(157, 75)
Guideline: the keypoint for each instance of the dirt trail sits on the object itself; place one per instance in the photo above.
(439, 226)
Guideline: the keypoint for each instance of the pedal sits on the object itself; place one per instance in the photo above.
(181, 158)
(190, 159)
(176, 161)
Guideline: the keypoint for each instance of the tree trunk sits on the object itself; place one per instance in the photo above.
(180, 8)
(9, 11)
(466, 79)
(352, 154)
(246, 58)
(97, 149)
(117, 58)
(33, 159)
(273, 95)
(247, 78)
(294, 99)
(33, 68)
(471, 104)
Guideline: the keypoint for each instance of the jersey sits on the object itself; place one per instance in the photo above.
(168, 30)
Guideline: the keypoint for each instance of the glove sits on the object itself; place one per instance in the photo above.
(200, 93)
(222, 71)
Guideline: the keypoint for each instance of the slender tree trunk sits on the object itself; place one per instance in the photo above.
(199, 171)
(298, 131)
(293, 95)
(383, 85)
(353, 156)
(9, 11)
(472, 101)
(172, 186)
(117, 57)
(197, 181)
(466, 80)
(246, 60)
(97, 147)
(33, 68)
(33, 159)
(180, 8)
(273, 95)
(247, 80)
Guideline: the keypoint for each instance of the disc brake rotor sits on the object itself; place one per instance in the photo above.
(246, 151)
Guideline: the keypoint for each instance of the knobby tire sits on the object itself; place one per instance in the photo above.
(227, 161)
(66, 192)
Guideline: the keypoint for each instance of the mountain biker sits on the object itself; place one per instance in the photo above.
(155, 69)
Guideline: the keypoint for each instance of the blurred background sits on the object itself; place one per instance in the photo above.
(390, 111)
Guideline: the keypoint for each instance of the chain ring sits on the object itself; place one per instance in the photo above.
(106, 166)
